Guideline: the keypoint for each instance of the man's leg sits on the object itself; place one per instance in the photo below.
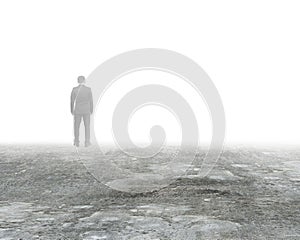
(77, 121)
(86, 120)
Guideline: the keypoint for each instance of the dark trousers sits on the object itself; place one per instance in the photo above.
(86, 121)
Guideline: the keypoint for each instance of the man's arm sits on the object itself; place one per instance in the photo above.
(72, 101)
(91, 102)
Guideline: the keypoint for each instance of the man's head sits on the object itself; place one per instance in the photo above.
(81, 79)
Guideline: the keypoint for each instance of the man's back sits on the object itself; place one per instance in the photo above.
(81, 100)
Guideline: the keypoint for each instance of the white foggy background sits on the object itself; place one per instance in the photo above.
(147, 116)
(250, 49)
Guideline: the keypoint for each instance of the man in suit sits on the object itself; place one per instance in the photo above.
(81, 108)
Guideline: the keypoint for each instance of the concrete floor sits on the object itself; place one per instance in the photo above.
(47, 193)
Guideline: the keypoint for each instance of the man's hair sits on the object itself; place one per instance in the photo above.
(81, 79)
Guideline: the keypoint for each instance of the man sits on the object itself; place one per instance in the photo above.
(81, 108)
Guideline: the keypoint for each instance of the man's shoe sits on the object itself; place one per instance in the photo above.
(87, 144)
(76, 144)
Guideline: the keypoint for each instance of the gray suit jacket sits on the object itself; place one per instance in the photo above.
(81, 100)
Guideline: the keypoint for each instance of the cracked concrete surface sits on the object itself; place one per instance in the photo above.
(252, 193)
